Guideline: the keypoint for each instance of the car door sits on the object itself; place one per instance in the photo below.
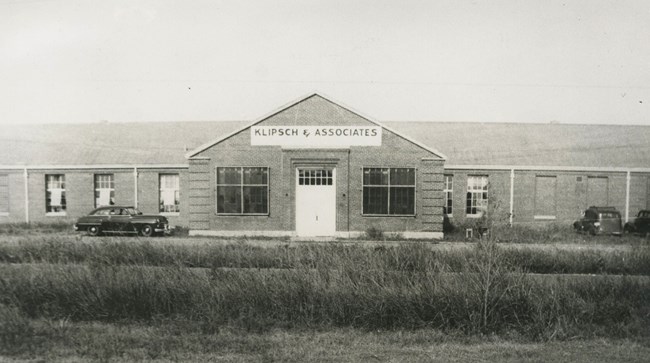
(107, 220)
(121, 221)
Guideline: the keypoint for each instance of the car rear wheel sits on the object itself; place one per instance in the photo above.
(577, 226)
(93, 231)
(146, 230)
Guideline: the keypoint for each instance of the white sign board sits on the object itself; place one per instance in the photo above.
(316, 136)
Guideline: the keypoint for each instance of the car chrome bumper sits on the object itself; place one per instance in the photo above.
(166, 229)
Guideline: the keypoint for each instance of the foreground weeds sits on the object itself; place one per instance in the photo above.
(482, 292)
(167, 340)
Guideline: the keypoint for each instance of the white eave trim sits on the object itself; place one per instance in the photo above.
(95, 166)
(208, 145)
(548, 168)
(191, 154)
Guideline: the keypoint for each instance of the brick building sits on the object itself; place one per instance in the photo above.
(315, 168)
(350, 174)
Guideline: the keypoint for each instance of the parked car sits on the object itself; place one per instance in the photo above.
(122, 219)
(641, 223)
(600, 220)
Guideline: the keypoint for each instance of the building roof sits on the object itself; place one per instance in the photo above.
(551, 144)
(464, 143)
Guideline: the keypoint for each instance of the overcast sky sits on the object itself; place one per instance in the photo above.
(572, 61)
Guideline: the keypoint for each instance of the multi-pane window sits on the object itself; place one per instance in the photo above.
(4, 194)
(389, 191)
(315, 177)
(104, 190)
(169, 193)
(449, 194)
(477, 195)
(243, 190)
(55, 193)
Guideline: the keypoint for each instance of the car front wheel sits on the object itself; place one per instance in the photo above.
(146, 230)
(592, 231)
(93, 231)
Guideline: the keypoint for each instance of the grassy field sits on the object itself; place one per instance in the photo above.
(63, 297)
(165, 341)
(405, 256)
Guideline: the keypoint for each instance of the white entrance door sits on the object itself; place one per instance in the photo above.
(315, 202)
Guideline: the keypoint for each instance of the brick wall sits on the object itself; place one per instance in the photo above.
(639, 193)
(80, 193)
(16, 200)
(571, 193)
(149, 194)
(200, 194)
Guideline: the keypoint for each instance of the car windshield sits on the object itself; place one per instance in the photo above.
(608, 215)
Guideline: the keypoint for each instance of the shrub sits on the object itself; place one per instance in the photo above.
(374, 233)
(181, 231)
(447, 226)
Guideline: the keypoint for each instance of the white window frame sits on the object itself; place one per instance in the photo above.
(49, 189)
(449, 194)
(477, 185)
(101, 185)
(313, 176)
(242, 185)
(177, 193)
(6, 178)
(414, 186)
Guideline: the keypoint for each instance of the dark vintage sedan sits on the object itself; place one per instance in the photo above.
(123, 220)
(600, 220)
(641, 223)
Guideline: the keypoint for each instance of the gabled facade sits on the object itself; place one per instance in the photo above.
(315, 168)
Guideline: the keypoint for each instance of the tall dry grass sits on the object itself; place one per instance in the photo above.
(482, 292)
(408, 257)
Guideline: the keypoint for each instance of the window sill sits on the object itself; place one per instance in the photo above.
(170, 214)
(544, 218)
(242, 214)
(56, 214)
(389, 215)
(476, 216)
